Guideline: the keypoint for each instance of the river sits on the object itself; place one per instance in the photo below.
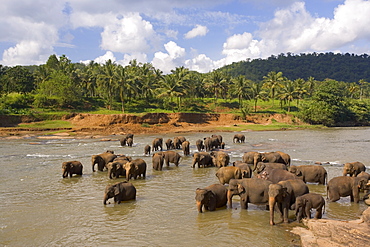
(40, 208)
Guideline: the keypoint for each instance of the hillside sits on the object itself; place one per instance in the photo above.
(341, 67)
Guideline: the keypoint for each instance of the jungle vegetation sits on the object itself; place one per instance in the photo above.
(329, 89)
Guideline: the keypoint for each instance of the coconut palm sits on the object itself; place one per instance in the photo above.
(273, 81)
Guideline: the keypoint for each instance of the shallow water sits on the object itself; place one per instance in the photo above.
(39, 207)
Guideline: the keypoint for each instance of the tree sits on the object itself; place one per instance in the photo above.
(257, 93)
(214, 81)
(240, 88)
(273, 82)
(287, 92)
(18, 80)
(107, 82)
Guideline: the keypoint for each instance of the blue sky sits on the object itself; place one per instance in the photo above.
(201, 35)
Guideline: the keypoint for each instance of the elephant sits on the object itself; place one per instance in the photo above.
(239, 138)
(135, 169)
(250, 190)
(304, 204)
(277, 175)
(124, 139)
(102, 159)
(147, 150)
(211, 143)
(283, 194)
(171, 157)
(310, 173)
(158, 160)
(343, 186)
(202, 159)
(123, 158)
(177, 141)
(220, 158)
(186, 148)
(116, 168)
(199, 144)
(245, 168)
(222, 146)
(71, 167)
(121, 191)
(157, 144)
(211, 197)
(169, 144)
(261, 166)
(353, 168)
(285, 157)
(248, 157)
(219, 139)
(269, 157)
(130, 142)
(224, 174)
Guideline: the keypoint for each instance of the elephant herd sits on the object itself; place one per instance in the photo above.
(259, 178)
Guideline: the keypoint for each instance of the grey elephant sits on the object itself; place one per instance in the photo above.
(147, 150)
(283, 195)
(122, 191)
(250, 190)
(177, 141)
(135, 169)
(130, 142)
(199, 144)
(306, 202)
(285, 157)
(343, 186)
(169, 144)
(224, 174)
(277, 175)
(124, 139)
(211, 143)
(248, 157)
(186, 148)
(220, 158)
(353, 168)
(158, 160)
(211, 197)
(310, 173)
(269, 157)
(245, 168)
(71, 167)
(171, 157)
(239, 138)
(102, 160)
(116, 168)
(157, 144)
(219, 139)
(203, 159)
(261, 166)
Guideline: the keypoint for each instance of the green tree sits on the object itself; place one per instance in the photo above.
(18, 80)
(107, 82)
(215, 82)
(257, 93)
(288, 92)
(273, 81)
(240, 88)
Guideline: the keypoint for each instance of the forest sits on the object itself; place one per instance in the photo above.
(329, 89)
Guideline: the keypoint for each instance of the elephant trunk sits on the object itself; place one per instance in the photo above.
(230, 198)
(110, 173)
(65, 173)
(105, 199)
(272, 202)
(199, 206)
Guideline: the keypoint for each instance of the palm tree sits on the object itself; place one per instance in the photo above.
(257, 93)
(273, 81)
(171, 87)
(214, 81)
(125, 84)
(300, 89)
(310, 85)
(240, 88)
(287, 92)
(107, 81)
(363, 84)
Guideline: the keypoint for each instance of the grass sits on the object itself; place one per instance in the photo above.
(272, 126)
(48, 124)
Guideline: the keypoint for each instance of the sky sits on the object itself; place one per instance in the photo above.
(201, 35)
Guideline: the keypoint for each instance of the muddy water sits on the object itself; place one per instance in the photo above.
(38, 207)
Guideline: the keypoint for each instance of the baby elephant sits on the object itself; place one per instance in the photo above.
(224, 174)
(304, 204)
(71, 167)
(211, 197)
(122, 191)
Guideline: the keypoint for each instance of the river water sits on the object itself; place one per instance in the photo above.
(40, 208)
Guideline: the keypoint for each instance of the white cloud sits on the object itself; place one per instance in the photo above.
(128, 34)
(175, 57)
(102, 59)
(198, 30)
(201, 63)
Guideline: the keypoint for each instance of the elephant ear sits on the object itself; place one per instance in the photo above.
(298, 172)
(241, 189)
(116, 190)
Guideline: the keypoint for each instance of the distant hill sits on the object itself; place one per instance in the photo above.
(341, 67)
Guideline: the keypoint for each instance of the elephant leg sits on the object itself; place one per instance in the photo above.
(308, 212)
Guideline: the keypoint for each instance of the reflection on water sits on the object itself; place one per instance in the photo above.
(40, 208)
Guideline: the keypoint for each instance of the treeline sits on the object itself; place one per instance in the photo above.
(341, 67)
(137, 87)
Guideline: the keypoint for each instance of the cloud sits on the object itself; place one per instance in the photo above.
(128, 34)
(175, 57)
(199, 30)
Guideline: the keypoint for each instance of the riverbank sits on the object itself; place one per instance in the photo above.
(85, 125)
